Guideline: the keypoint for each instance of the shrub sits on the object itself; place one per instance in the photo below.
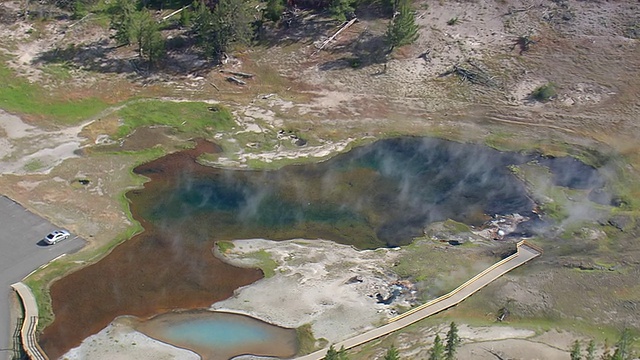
(544, 92)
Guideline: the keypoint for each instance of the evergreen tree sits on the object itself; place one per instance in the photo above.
(576, 352)
(228, 23)
(144, 32)
(79, 9)
(274, 10)
(591, 350)
(623, 346)
(402, 29)
(453, 340)
(339, 9)
(121, 12)
(332, 354)
(185, 17)
(437, 350)
(137, 27)
(606, 354)
(153, 44)
(392, 354)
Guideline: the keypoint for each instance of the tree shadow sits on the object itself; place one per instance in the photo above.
(98, 56)
(103, 56)
(368, 49)
(295, 27)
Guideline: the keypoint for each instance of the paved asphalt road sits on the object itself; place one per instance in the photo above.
(22, 251)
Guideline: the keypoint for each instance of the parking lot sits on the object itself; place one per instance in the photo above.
(22, 250)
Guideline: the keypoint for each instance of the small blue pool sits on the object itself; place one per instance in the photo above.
(220, 335)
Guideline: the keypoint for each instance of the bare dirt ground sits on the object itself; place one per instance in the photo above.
(119, 341)
(350, 93)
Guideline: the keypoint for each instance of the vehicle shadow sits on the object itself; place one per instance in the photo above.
(42, 243)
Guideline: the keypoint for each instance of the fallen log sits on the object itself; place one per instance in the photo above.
(235, 80)
(175, 12)
(514, 11)
(477, 76)
(81, 20)
(214, 86)
(237, 73)
(351, 22)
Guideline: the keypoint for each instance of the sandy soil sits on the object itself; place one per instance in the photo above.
(26, 148)
(490, 343)
(119, 341)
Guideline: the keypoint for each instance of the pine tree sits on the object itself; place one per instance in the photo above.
(153, 44)
(342, 354)
(332, 354)
(228, 23)
(606, 353)
(437, 350)
(576, 352)
(274, 10)
(185, 17)
(392, 354)
(402, 29)
(141, 27)
(453, 340)
(339, 9)
(591, 350)
(623, 346)
(121, 11)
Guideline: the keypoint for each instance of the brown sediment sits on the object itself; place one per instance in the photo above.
(152, 273)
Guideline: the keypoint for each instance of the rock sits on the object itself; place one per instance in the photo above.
(300, 141)
(620, 222)
(355, 279)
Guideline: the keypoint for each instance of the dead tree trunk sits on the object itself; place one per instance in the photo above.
(351, 22)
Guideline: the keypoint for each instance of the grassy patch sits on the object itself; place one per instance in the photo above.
(554, 200)
(33, 165)
(456, 227)
(265, 262)
(20, 96)
(280, 163)
(197, 117)
(306, 340)
(225, 246)
(504, 141)
(59, 72)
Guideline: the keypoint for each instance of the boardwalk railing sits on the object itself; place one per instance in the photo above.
(468, 282)
(525, 252)
(30, 323)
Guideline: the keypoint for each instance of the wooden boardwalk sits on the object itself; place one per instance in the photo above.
(525, 252)
(28, 330)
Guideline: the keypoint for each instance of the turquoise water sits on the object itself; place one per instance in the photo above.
(219, 335)
(217, 332)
